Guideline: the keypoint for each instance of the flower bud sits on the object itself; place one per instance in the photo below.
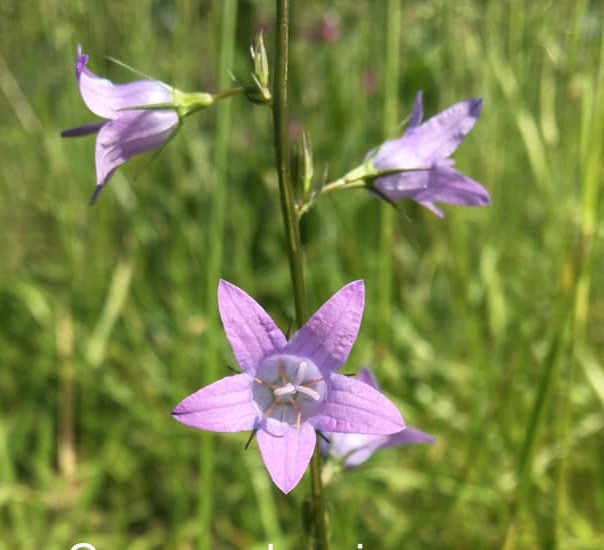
(302, 166)
(261, 72)
(258, 52)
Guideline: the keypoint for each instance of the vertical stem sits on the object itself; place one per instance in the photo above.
(216, 238)
(292, 233)
(391, 78)
(286, 192)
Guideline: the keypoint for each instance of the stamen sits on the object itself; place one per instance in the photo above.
(270, 409)
(313, 382)
(281, 370)
(313, 394)
(300, 373)
(264, 383)
(288, 389)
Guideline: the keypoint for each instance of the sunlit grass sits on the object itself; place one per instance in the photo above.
(108, 317)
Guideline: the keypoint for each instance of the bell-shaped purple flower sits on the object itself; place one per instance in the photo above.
(423, 153)
(290, 389)
(352, 449)
(127, 131)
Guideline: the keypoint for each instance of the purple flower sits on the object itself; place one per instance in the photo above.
(354, 449)
(290, 389)
(423, 150)
(126, 132)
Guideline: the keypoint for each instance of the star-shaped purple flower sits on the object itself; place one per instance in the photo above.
(290, 389)
(424, 150)
(126, 132)
(354, 449)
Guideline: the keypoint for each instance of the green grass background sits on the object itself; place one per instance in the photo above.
(492, 337)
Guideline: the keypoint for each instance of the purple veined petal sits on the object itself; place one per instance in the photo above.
(361, 454)
(105, 99)
(286, 457)
(356, 407)
(440, 135)
(451, 187)
(80, 131)
(367, 377)
(395, 153)
(328, 336)
(224, 406)
(417, 112)
(360, 446)
(408, 436)
(434, 140)
(355, 449)
(132, 133)
(250, 330)
(439, 184)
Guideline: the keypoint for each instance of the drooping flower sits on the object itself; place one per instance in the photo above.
(423, 152)
(353, 449)
(287, 390)
(126, 130)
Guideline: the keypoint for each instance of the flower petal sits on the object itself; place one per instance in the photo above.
(252, 333)
(408, 436)
(439, 184)
(224, 406)
(286, 456)
(132, 133)
(355, 407)
(105, 99)
(421, 146)
(439, 136)
(328, 336)
(367, 377)
(417, 113)
(349, 445)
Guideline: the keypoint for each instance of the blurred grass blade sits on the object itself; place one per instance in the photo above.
(116, 297)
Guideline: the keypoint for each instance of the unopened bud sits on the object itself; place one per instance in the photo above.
(261, 73)
(302, 167)
(307, 171)
(260, 60)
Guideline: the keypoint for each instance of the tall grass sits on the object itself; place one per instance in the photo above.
(496, 318)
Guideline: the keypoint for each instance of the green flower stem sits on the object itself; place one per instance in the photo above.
(229, 93)
(354, 178)
(214, 270)
(292, 232)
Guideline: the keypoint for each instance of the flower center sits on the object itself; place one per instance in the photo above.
(289, 389)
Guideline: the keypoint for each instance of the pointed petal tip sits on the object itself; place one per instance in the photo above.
(358, 285)
(287, 457)
(475, 106)
(81, 61)
(224, 284)
(95, 194)
(355, 288)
